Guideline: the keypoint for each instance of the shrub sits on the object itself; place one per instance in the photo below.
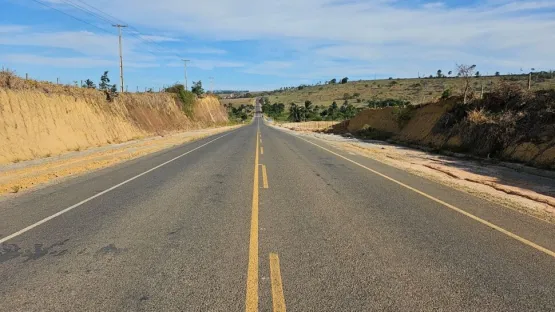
(446, 94)
(187, 98)
(404, 115)
(370, 133)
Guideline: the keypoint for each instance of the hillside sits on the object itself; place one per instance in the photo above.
(414, 90)
(509, 123)
(40, 119)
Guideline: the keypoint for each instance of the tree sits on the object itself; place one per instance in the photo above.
(295, 113)
(89, 84)
(477, 74)
(466, 72)
(497, 74)
(344, 80)
(197, 88)
(439, 74)
(333, 81)
(104, 82)
(450, 73)
(114, 89)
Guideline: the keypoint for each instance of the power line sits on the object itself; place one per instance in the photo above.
(77, 6)
(113, 20)
(101, 12)
(75, 18)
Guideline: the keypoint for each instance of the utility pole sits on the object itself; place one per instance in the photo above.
(120, 55)
(211, 84)
(185, 62)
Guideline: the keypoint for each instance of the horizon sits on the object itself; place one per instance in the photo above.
(253, 46)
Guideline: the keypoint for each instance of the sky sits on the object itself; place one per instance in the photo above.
(264, 45)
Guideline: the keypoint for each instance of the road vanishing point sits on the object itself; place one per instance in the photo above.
(258, 219)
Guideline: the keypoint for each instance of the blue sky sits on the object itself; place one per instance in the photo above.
(261, 45)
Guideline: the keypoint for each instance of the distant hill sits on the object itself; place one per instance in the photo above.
(414, 90)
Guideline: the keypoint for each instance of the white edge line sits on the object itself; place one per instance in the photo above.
(459, 210)
(59, 213)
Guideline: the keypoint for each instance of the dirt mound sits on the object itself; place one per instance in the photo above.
(508, 123)
(39, 119)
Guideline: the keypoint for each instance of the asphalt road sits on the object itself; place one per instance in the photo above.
(260, 219)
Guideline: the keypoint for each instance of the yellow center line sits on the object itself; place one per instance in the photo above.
(251, 302)
(465, 213)
(264, 177)
(278, 299)
(261, 150)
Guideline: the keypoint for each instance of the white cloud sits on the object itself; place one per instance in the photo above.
(69, 62)
(203, 50)
(12, 28)
(155, 38)
(328, 37)
(268, 67)
(208, 64)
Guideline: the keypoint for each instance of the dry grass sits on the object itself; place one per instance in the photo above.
(238, 102)
(48, 118)
(479, 116)
(415, 90)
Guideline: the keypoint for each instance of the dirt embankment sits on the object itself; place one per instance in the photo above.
(41, 120)
(511, 125)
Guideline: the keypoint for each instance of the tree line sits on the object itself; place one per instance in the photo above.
(309, 112)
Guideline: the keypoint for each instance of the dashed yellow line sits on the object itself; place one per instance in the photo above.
(465, 213)
(278, 299)
(264, 177)
(251, 302)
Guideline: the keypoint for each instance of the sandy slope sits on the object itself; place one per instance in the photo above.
(18, 177)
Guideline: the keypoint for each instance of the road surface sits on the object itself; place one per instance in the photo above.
(259, 219)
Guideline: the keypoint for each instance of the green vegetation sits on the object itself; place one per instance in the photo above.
(413, 90)
(105, 83)
(387, 103)
(89, 84)
(241, 113)
(197, 88)
(369, 133)
(274, 111)
(308, 111)
(187, 98)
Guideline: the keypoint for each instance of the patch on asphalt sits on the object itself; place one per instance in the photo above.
(110, 250)
(12, 251)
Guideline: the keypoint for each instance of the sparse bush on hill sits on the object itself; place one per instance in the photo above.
(504, 117)
(466, 72)
(197, 88)
(187, 98)
(387, 103)
(89, 84)
(344, 80)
